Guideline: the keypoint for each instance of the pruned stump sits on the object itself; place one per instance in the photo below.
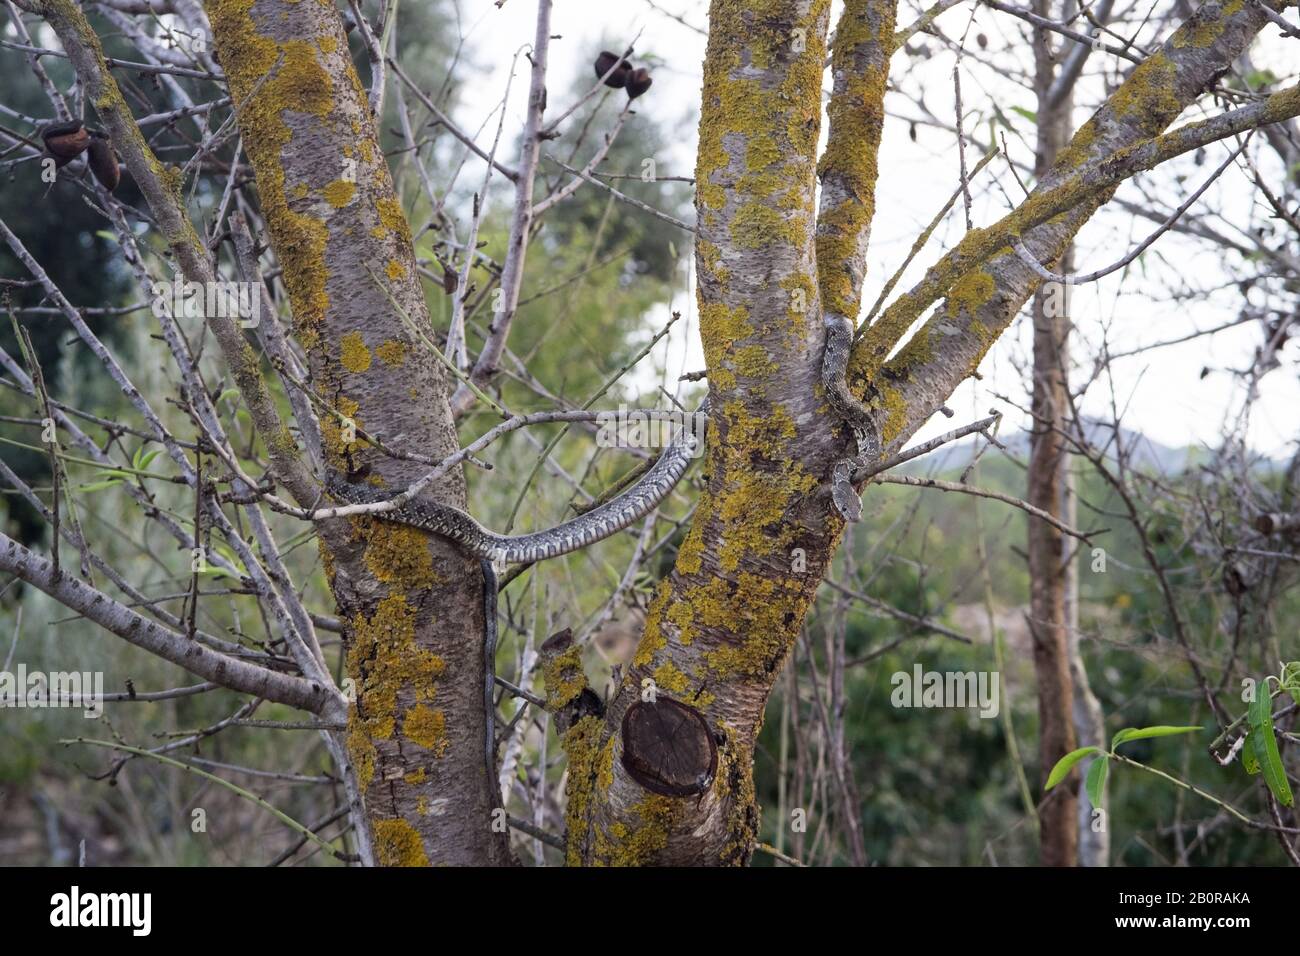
(668, 748)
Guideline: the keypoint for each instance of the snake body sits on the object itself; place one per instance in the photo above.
(490, 668)
(600, 522)
(866, 436)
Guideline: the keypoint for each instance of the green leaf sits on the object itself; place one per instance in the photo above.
(1248, 760)
(1257, 79)
(1066, 764)
(1096, 782)
(1141, 733)
(229, 555)
(214, 572)
(1260, 717)
(140, 460)
(113, 473)
(1259, 712)
(1027, 114)
(1290, 679)
(98, 486)
(228, 394)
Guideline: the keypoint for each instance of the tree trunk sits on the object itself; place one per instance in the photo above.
(1089, 724)
(1058, 837)
(724, 621)
(412, 604)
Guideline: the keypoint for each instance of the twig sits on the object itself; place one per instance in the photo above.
(234, 788)
(1043, 272)
(994, 495)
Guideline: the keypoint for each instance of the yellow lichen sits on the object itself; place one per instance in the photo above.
(652, 639)
(398, 844)
(669, 678)
(916, 352)
(427, 727)
(970, 292)
(772, 131)
(1148, 95)
(637, 844)
(384, 661)
(756, 499)
(335, 435)
(736, 786)
(393, 219)
(721, 330)
(1201, 31)
(893, 405)
(339, 193)
(564, 677)
(690, 555)
(392, 352)
(301, 85)
(605, 768)
(360, 751)
(580, 747)
(353, 354)
(399, 554)
(849, 167)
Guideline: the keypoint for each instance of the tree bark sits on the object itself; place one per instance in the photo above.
(411, 604)
(1058, 837)
(1089, 722)
(724, 621)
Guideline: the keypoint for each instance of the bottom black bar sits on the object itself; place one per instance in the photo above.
(273, 906)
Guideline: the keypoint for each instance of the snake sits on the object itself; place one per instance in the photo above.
(852, 410)
(595, 525)
(495, 551)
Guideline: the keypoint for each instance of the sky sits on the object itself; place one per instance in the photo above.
(1163, 393)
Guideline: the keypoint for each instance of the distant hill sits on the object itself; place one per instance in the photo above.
(1144, 452)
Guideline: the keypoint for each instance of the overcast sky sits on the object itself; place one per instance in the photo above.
(1162, 393)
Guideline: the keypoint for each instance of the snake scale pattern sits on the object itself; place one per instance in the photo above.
(600, 522)
(866, 436)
